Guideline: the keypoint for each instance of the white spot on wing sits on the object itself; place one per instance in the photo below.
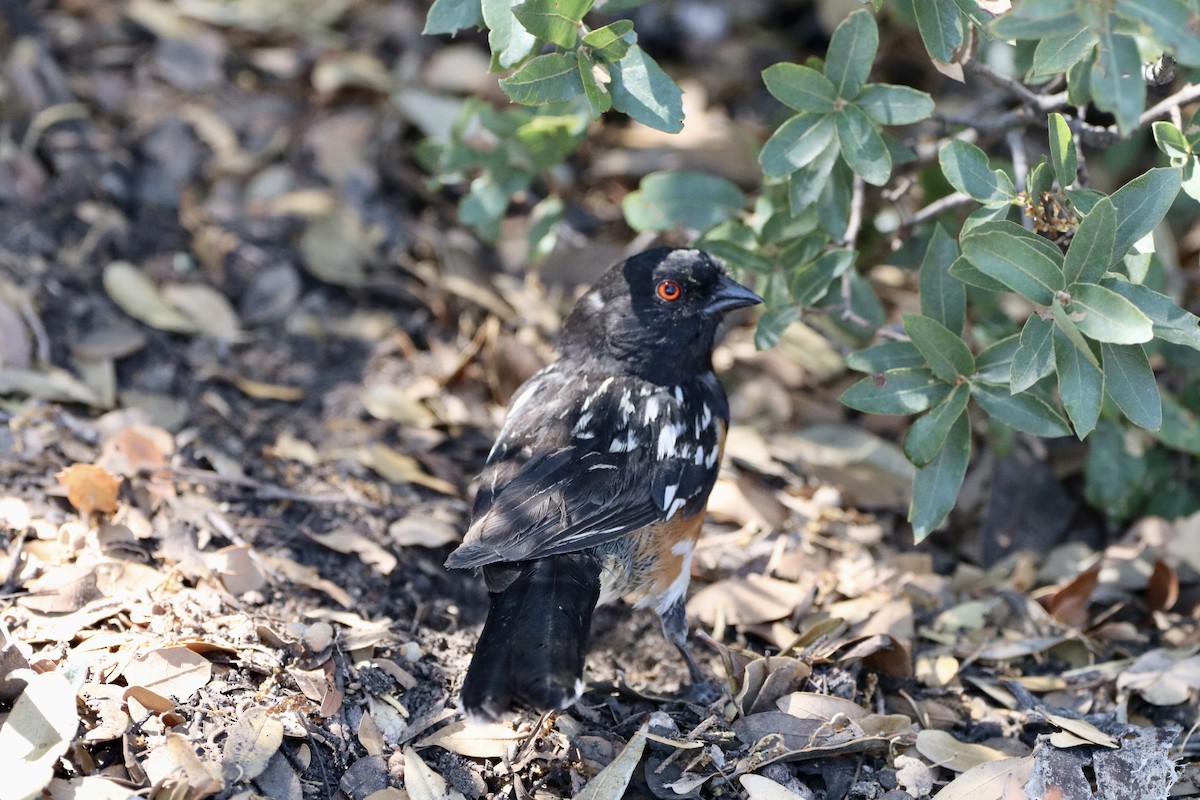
(594, 396)
(678, 394)
(669, 496)
(676, 504)
(667, 437)
(712, 458)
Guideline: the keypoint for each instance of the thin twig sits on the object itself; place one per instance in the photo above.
(937, 207)
(1102, 135)
(1042, 102)
(854, 224)
(264, 491)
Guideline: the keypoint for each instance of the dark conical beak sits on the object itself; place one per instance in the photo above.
(730, 295)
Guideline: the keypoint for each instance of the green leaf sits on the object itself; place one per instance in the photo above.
(483, 207)
(451, 16)
(796, 143)
(810, 284)
(851, 53)
(805, 184)
(1025, 412)
(1173, 22)
(1116, 79)
(833, 206)
(943, 297)
(862, 146)
(928, 433)
(1079, 83)
(647, 94)
(548, 139)
(611, 42)
(543, 228)
(1171, 323)
(1058, 51)
(936, 485)
(1034, 18)
(1080, 385)
(994, 364)
(1034, 359)
(1068, 328)
(1024, 262)
(800, 87)
(886, 104)
(554, 21)
(937, 22)
(666, 200)
(966, 167)
(1091, 250)
(1062, 150)
(947, 355)
(599, 100)
(1171, 140)
(771, 325)
(896, 392)
(1180, 429)
(1106, 316)
(510, 43)
(885, 356)
(1129, 381)
(965, 271)
(1141, 204)
(551, 78)
(1115, 476)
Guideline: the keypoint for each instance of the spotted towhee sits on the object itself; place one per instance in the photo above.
(597, 484)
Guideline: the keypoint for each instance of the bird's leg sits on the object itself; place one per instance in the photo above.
(675, 629)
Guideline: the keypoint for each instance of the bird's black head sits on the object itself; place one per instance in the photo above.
(656, 314)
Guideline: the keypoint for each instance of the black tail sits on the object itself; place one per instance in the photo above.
(533, 645)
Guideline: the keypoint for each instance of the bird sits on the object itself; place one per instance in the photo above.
(597, 484)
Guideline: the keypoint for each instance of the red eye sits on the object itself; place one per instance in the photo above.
(669, 291)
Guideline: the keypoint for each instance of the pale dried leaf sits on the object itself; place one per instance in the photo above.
(208, 309)
(423, 783)
(749, 601)
(613, 780)
(175, 672)
(52, 384)
(993, 780)
(823, 707)
(237, 566)
(176, 758)
(761, 788)
(397, 467)
(1162, 677)
(253, 738)
(90, 787)
(348, 541)
(422, 531)
(260, 390)
(394, 403)
(1081, 728)
(913, 776)
(38, 730)
(475, 740)
(136, 295)
(944, 750)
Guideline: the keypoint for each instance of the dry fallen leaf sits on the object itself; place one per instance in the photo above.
(208, 309)
(253, 738)
(613, 780)
(348, 541)
(475, 740)
(90, 488)
(38, 730)
(176, 672)
(992, 780)
(749, 600)
(1162, 677)
(397, 467)
(944, 750)
(759, 788)
(136, 294)
(423, 783)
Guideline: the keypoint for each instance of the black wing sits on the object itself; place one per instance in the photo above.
(582, 462)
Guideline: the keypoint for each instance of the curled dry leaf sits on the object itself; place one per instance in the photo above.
(1069, 604)
(1082, 729)
(823, 707)
(1162, 677)
(90, 488)
(175, 758)
(397, 467)
(423, 531)
(135, 448)
(237, 566)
